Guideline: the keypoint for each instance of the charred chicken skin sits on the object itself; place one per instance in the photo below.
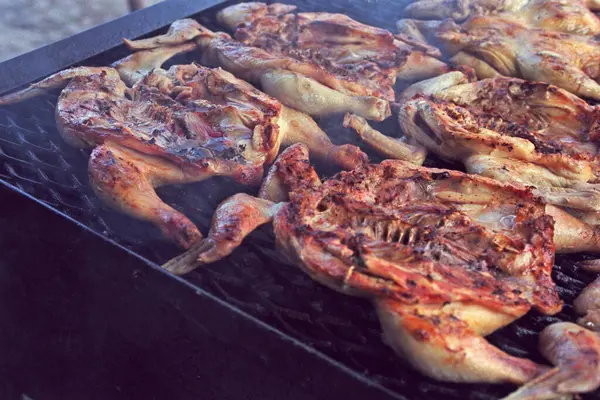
(447, 258)
(367, 59)
(183, 125)
(569, 16)
(318, 63)
(494, 46)
(533, 134)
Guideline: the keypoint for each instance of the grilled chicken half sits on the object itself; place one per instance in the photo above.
(533, 134)
(447, 258)
(183, 125)
(570, 16)
(318, 63)
(494, 46)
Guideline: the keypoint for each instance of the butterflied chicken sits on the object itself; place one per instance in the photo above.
(318, 63)
(497, 46)
(446, 258)
(571, 16)
(183, 125)
(533, 134)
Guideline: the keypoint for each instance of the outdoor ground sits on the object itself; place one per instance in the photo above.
(28, 24)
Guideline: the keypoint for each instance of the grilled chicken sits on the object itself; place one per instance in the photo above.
(533, 134)
(183, 125)
(576, 353)
(570, 16)
(317, 63)
(497, 46)
(446, 257)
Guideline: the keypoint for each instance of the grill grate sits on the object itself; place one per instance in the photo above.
(34, 158)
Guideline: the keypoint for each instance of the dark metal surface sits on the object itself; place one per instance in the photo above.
(34, 158)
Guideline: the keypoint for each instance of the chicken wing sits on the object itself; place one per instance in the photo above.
(494, 45)
(446, 257)
(572, 16)
(576, 353)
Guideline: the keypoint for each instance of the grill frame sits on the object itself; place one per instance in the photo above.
(103, 43)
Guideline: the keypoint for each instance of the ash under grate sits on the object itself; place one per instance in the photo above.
(34, 158)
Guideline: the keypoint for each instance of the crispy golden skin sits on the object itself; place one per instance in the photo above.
(364, 58)
(494, 45)
(183, 125)
(446, 257)
(572, 16)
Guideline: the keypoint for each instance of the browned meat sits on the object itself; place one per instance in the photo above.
(571, 16)
(446, 257)
(366, 59)
(183, 125)
(493, 45)
(534, 134)
(317, 63)
(302, 85)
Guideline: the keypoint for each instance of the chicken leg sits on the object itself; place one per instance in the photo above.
(233, 220)
(444, 347)
(297, 127)
(384, 145)
(126, 180)
(576, 353)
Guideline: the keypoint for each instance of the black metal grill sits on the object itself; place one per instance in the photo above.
(35, 159)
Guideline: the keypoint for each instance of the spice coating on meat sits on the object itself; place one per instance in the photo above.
(423, 236)
(191, 115)
(552, 120)
(528, 133)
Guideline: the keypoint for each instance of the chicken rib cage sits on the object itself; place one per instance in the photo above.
(574, 16)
